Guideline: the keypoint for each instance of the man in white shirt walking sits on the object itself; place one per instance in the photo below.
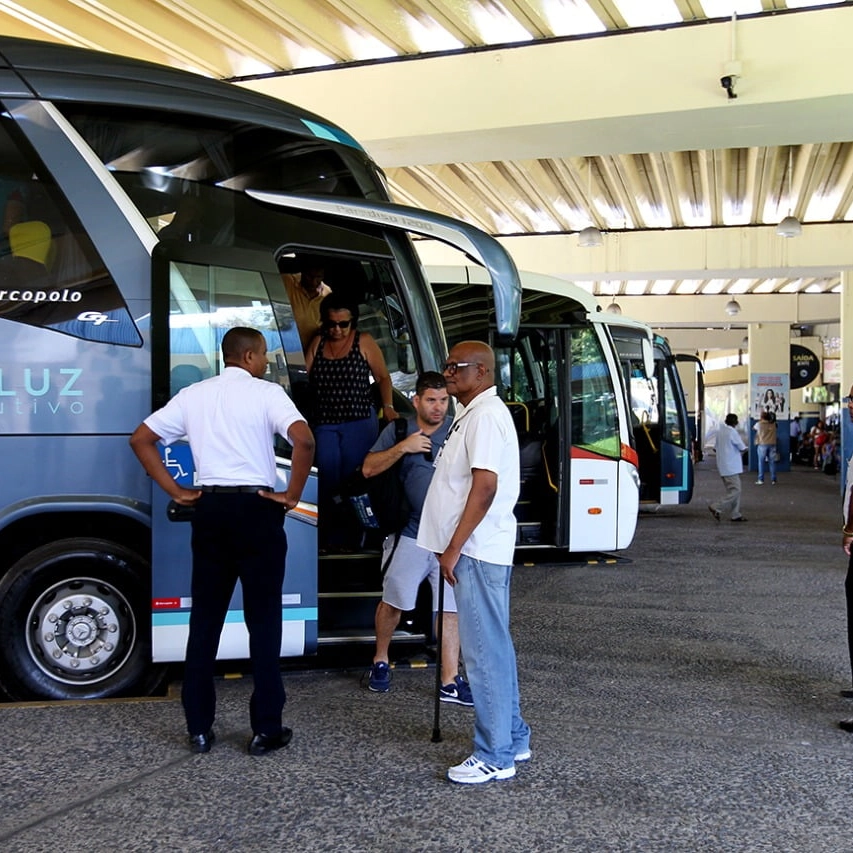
(729, 446)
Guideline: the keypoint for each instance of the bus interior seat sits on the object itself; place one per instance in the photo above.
(183, 375)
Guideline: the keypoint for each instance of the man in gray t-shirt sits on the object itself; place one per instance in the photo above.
(409, 565)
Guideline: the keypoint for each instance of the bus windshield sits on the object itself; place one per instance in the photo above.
(187, 176)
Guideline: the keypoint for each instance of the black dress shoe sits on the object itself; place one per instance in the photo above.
(847, 692)
(262, 744)
(202, 743)
(846, 725)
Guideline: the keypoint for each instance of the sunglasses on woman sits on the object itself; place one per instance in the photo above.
(339, 324)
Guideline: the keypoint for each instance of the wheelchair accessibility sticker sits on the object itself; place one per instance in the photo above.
(178, 460)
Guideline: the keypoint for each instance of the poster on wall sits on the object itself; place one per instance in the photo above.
(769, 392)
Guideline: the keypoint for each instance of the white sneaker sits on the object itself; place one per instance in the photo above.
(524, 755)
(472, 771)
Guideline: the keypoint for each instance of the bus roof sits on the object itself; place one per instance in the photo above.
(60, 73)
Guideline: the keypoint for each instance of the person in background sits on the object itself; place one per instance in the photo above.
(795, 431)
(468, 522)
(306, 290)
(819, 436)
(847, 546)
(230, 421)
(729, 448)
(765, 446)
(408, 564)
(340, 361)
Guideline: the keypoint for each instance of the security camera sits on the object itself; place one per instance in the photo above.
(728, 83)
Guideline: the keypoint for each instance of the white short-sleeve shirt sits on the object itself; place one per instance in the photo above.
(230, 422)
(482, 436)
(729, 448)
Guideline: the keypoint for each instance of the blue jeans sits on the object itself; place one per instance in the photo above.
(482, 599)
(341, 448)
(769, 451)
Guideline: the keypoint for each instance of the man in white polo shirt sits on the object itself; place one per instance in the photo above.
(230, 422)
(468, 522)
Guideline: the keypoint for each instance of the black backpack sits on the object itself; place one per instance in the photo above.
(380, 503)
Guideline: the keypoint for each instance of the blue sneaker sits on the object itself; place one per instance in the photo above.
(458, 692)
(380, 677)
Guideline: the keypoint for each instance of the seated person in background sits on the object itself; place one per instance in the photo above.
(30, 243)
(829, 454)
(306, 290)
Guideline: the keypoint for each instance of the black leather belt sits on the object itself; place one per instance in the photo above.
(233, 490)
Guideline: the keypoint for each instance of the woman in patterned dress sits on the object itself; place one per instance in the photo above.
(340, 361)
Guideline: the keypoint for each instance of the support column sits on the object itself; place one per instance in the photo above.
(770, 385)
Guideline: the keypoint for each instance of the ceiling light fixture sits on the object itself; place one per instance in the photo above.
(590, 237)
(613, 307)
(732, 307)
(790, 226)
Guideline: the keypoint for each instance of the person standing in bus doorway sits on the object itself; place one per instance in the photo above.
(730, 448)
(468, 522)
(306, 290)
(407, 564)
(230, 421)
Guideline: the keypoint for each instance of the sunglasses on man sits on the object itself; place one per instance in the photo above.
(452, 366)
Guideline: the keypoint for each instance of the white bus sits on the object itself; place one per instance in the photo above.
(600, 413)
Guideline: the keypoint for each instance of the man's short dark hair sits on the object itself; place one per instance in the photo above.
(239, 339)
(429, 379)
(731, 419)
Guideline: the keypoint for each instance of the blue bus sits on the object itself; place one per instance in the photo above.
(146, 211)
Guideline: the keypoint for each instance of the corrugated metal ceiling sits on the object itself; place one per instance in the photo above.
(688, 189)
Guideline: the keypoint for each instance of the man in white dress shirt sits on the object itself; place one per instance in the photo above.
(730, 448)
(230, 422)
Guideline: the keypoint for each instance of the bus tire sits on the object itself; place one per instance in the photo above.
(74, 623)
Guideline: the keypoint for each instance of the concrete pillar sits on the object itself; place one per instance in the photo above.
(770, 386)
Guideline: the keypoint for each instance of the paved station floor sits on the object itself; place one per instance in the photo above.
(686, 700)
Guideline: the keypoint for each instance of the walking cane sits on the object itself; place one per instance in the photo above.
(436, 728)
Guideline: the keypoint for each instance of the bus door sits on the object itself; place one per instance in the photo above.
(527, 370)
(198, 294)
(676, 471)
(561, 392)
(692, 374)
(640, 376)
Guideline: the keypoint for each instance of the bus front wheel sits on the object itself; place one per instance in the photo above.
(72, 623)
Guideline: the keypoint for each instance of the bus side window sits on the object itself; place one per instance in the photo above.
(51, 276)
